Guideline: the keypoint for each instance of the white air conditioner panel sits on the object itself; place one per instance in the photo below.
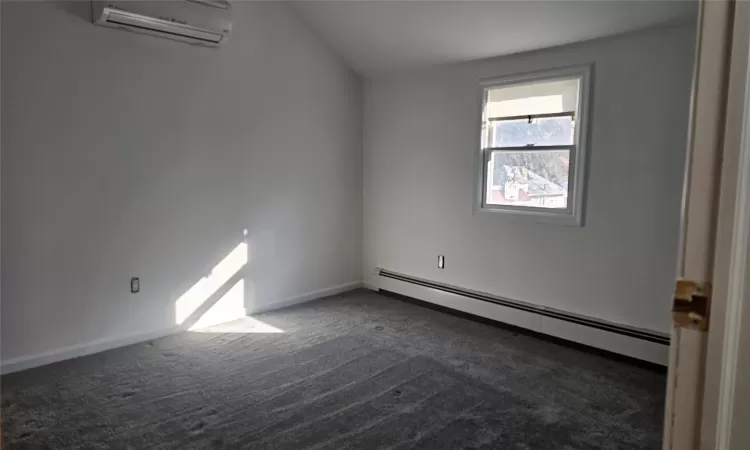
(195, 22)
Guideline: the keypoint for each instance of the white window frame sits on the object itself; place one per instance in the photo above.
(574, 213)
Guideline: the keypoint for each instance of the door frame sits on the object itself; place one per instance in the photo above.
(705, 367)
(719, 431)
(688, 351)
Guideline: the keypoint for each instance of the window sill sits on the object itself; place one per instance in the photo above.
(549, 217)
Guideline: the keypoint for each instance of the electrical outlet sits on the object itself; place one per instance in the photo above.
(441, 262)
(135, 285)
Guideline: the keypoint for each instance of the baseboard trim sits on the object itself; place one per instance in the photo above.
(327, 292)
(645, 350)
(525, 331)
(101, 345)
(76, 351)
(647, 335)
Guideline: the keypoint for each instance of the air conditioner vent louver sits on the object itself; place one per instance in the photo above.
(203, 22)
(159, 26)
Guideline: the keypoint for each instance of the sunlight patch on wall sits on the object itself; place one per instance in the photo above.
(229, 307)
(195, 297)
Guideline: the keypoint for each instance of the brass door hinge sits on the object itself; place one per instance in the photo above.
(692, 305)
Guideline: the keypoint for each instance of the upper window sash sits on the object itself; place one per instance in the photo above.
(539, 131)
(535, 148)
(530, 117)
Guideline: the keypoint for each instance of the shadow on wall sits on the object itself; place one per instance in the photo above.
(217, 302)
(78, 9)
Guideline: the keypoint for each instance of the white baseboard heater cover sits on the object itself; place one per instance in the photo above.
(631, 332)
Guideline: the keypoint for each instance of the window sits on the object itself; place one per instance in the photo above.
(533, 144)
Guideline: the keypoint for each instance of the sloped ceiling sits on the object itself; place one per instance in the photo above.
(378, 36)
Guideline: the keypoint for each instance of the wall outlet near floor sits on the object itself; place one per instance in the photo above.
(441, 262)
(135, 285)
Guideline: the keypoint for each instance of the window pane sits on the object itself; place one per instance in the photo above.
(529, 178)
(541, 131)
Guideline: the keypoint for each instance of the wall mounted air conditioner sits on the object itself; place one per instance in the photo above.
(202, 22)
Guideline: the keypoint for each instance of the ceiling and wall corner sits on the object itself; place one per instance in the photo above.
(384, 36)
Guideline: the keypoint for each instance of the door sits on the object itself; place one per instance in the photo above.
(705, 372)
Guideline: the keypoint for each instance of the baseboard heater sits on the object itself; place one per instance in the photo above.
(632, 332)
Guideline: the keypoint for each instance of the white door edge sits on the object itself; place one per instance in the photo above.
(736, 285)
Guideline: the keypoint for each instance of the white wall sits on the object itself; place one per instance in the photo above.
(126, 155)
(419, 156)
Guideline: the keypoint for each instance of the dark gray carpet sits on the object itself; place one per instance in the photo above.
(356, 371)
